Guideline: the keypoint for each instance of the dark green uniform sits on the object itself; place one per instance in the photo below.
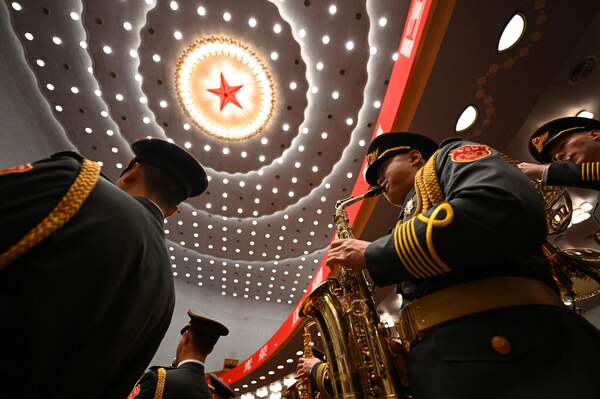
(487, 222)
(184, 382)
(83, 312)
(585, 175)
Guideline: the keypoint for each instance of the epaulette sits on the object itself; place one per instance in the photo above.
(70, 154)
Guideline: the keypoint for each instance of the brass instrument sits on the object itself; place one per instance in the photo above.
(360, 362)
(567, 264)
(301, 389)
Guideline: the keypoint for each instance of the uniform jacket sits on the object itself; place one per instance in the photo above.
(185, 382)
(84, 311)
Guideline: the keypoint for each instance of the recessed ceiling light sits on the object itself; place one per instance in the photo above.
(277, 28)
(315, 169)
(324, 135)
(127, 25)
(28, 36)
(512, 32)
(201, 11)
(373, 50)
(302, 33)
(349, 121)
(143, 100)
(349, 45)
(74, 90)
(163, 104)
(335, 95)
(83, 44)
(40, 62)
(244, 154)
(225, 151)
(319, 66)
(361, 143)
(206, 147)
(107, 49)
(332, 9)
(377, 104)
(98, 93)
(119, 97)
(226, 16)
(286, 127)
(585, 114)
(58, 108)
(16, 6)
(133, 53)
(293, 85)
(274, 55)
(74, 16)
(383, 21)
(177, 35)
(466, 119)
(325, 39)
(252, 22)
(156, 58)
(50, 86)
(186, 126)
(174, 6)
(395, 57)
(314, 89)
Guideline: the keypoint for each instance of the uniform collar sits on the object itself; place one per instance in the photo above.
(190, 361)
(152, 207)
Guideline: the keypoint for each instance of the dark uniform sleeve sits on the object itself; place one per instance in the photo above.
(145, 387)
(485, 208)
(319, 379)
(586, 175)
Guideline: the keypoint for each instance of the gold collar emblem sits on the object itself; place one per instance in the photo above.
(408, 208)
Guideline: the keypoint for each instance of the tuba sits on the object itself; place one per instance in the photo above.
(359, 359)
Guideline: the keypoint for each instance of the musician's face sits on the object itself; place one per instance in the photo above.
(397, 176)
(577, 148)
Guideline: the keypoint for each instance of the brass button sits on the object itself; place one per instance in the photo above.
(501, 345)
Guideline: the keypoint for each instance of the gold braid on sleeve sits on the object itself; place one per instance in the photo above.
(66, 208)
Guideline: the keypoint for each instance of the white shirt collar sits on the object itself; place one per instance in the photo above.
(190, 361)
(156, 205)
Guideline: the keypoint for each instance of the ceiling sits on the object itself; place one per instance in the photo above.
(260, 228)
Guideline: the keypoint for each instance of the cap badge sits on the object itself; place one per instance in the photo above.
(372, 156)
(538, 142)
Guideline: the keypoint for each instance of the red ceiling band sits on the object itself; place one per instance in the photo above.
(411, 38)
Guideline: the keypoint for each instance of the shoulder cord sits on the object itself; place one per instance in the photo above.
(160, 383)
(66, 208)
(427, 185)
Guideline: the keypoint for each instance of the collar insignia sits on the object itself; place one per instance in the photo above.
(408, 208)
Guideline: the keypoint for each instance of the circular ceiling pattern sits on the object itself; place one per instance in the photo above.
(232, 110)
(107, 70)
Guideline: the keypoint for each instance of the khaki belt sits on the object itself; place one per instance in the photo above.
(467, 299)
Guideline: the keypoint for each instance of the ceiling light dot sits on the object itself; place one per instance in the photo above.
(302, 33)
(585, 114)
(201, 11)
(286, 127)
(349, 175)
(107, 49)
(16, 6)
(58, 108)
(349, 45)
(88, 130)
(332, 9)
(466, 119)
(324, 135)
(206, 147)
(274, 55)
(127, 25)
(244, 154)
(40, 63)
(395, 57)
(187, 145)
(28, 36)
(383, 21)
(57, 40)
(252, 22)
(50, 86)
(373, 50)
(114, 150)
(186, 126)
(349, 121)
(74, 90)
(74, 16)
(297, 165)
(277, 28)
(319, 66)
(335, 95)
(109, 132)
(314, 89)
(377, 104)
(242, 183)
(264, 141)
(174, 6)
(208, 206)
(98, 93)
(315, 169)
(361, 143)
(300, 148)
(294, 180)
(143, 100)
(226, 16)
(258, 187)
(138, 77)
(119, 97)
(163, 104)
(293, 85)
(133, 53)
(325, 39)
(512, 33)
(177, 35)
(156, 58)
(226, 151)
(83, 44)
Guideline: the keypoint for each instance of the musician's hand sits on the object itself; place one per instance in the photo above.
(533, 171)
(347, 252)
(304, 367)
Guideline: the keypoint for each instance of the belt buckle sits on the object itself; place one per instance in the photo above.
(406, 331)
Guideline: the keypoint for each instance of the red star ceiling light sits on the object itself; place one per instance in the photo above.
(225, 88)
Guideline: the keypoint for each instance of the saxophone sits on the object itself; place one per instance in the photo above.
(301, 389)
(360, 362)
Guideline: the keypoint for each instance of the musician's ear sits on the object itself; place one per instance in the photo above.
(415, 157)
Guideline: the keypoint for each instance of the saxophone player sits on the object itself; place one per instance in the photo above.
(484, 317)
